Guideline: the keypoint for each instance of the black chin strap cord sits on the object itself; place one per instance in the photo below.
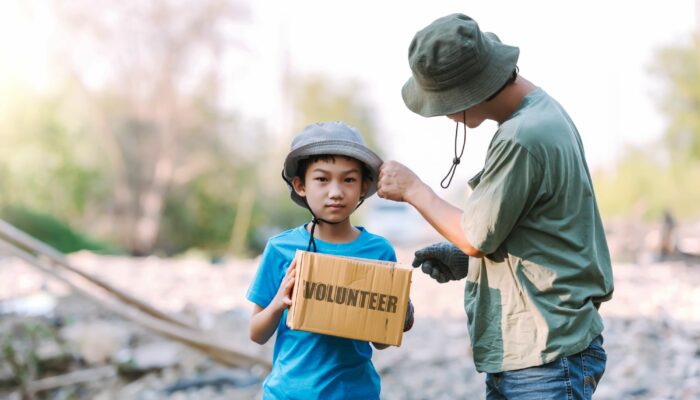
(457, 159)
(316, 220)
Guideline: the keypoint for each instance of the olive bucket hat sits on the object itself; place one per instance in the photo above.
(329, 138)
(455, 66)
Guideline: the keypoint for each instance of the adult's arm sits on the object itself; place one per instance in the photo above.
(397, 182)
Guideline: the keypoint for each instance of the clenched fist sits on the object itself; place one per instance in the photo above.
(397, 182)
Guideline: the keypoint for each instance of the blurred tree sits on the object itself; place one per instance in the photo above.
(678, 67)
(149, 76)
(135, 146)
(47, 163)
(651, 181)
(645, 183)
(635, 187)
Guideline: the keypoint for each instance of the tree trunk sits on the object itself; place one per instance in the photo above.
(151, 208)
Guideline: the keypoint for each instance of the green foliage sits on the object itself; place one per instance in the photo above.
(203, 213)
(648, 181)
(198, 215)
(52, 231)
(276, 214)
(63, 173)
(643, 185)
(46, 163)
(49, 164)
(679, 71)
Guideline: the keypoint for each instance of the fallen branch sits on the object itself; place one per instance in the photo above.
(195, 338)
(72, 378)
(21, 239)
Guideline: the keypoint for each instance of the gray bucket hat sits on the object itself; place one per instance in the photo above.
(329, 138)
(455, 66)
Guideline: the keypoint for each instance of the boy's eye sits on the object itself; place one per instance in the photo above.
(321, 179)
(350, 179)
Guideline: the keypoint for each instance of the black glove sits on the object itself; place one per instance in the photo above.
(442, 261)
(408, 324)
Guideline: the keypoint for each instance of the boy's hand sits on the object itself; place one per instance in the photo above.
(442, 261)
(408, 324)
(283, 298)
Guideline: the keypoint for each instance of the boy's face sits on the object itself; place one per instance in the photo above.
(332, 188)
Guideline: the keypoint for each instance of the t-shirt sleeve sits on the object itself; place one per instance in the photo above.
(390, 254)
(507, 189)
(267, 279)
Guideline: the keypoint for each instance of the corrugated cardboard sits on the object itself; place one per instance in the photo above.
(350, 297)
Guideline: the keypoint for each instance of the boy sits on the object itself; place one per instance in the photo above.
(329, 171)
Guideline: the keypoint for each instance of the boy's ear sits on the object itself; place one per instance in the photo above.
(365, 188)
(298, 186)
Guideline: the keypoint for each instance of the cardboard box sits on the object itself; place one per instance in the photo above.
(350, 297)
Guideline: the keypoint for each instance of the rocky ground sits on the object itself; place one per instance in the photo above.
(652, 335)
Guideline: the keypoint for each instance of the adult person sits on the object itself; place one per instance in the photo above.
(529, 240)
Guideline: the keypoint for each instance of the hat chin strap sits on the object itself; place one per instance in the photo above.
(316, 220)
(458, 157)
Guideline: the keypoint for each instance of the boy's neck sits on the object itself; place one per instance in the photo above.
(343, 232)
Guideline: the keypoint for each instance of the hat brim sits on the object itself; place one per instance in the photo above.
(335, 148)
(478, 88)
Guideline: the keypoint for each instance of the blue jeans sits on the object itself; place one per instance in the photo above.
(572, 378)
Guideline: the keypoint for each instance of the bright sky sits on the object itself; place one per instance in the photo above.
(592, 56)
(23, 54)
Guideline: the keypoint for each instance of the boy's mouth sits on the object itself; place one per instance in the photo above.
(335, 206)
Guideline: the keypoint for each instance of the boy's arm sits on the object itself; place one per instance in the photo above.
(264, 320)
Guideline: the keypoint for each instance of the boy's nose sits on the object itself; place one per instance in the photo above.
(334, 191)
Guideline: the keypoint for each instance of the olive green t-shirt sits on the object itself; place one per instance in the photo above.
(534, 297)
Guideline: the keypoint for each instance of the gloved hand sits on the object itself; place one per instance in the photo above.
(442, 261)
(408, 324)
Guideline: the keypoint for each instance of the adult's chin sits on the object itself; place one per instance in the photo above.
(473, 124)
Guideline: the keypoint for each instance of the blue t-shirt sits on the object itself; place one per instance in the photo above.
(309, 365)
